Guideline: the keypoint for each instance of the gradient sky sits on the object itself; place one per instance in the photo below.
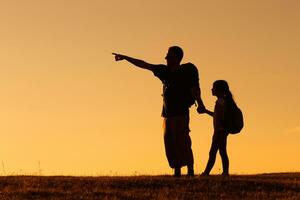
(67, 108)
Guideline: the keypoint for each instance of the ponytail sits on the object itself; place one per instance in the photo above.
(229, 97)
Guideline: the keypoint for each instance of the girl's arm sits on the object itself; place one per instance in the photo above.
(209, 112)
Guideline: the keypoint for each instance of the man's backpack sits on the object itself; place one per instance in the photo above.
(192, 80)
(235, 120)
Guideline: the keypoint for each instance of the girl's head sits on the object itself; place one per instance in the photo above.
(221, 89)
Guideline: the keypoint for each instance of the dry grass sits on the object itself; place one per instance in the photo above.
(264, 186)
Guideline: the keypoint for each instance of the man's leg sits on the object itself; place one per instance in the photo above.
(190, 157)
(170, 146)
(178, 144)
(186, 157)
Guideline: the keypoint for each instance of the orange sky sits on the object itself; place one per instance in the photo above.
(67, 105)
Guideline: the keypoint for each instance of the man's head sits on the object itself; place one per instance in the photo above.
(174, 56)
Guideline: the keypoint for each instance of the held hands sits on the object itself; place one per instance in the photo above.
(118, 57)
(201, 109)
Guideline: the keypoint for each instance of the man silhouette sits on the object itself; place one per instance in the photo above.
(180, 90)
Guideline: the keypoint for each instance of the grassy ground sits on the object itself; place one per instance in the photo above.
(264, 186)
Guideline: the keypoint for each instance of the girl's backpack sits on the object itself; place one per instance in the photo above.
(234, 119)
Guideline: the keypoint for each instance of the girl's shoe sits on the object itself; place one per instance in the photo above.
(204, 174)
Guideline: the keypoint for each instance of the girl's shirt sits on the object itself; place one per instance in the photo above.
(218, 115)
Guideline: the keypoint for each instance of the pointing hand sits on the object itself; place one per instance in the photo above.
(118, 56)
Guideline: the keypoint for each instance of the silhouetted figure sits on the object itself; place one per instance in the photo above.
(180, 90)
(221, 117)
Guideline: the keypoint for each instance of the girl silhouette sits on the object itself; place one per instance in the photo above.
(220, 118)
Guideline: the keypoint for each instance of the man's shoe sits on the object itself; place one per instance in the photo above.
(177, 172)
(226, 174)
(190, 173)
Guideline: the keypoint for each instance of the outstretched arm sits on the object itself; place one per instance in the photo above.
(139, 63)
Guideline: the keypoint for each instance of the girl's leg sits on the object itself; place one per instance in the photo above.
(223, 154)
(212, 156)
